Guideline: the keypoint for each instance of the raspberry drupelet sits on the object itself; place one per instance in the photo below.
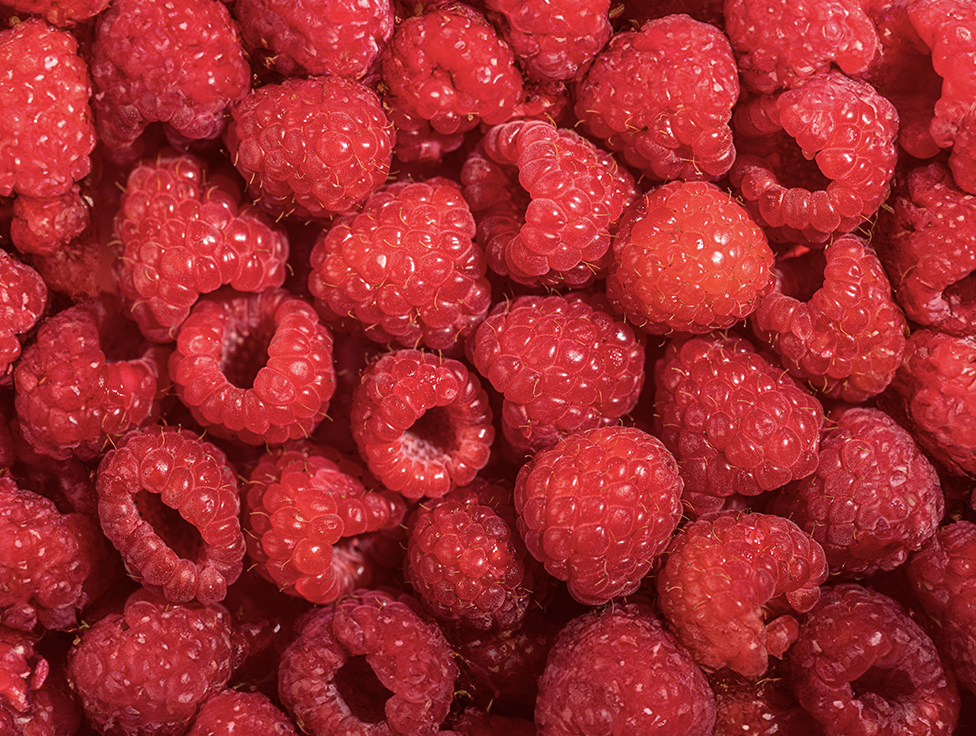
(23, 298)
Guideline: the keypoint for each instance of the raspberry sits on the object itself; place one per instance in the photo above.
(688, 258)
(563, 365)
(547, 202)
(46, 132)
(157, 61)
(421, 423)
(41, 225)
(847, 338)
(597, 508)
(23, 298)
(81, 269)
(663, 96)
(147, 669)
(178, 236)
(726, 573)
(317, 37)
(861, 665)
(619, 671)
(450, 67)
(762, 708)
(48, 708)
(367, 664)
(405, 267)
(310, 147)
(735, 422)
(63, 13)
(231, 712)
(254, 368)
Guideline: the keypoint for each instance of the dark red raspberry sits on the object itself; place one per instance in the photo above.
(862, 666)
(735, 422)
(619, 671)
(147, 670)
(46, 132)
(233, 712)
(547, 202)
(23, 297)
(256, 368)
(41, 225)
(779, 44)
(81, 269)
(158, 61)
(847, 338)
(475, 722)
(663, 96)
(598, 507)
(405, 269)
(178, 235)
(311, 147)
(60, 12)
(316, 37)
(688, 258)
(730, 581)
(761, 708)
(422, 423)
(562, 363)
(366, 665)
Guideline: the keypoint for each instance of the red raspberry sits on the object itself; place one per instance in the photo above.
(81, 269)
(663, 96)
(311, 147)
(316, 37)
(63, 13)
(862, 666)
(597, 508)
(23, 297)
(233, 712)
(405, 268)
(367, 664)
(46, 133)
(76, 389)
(847, 338)
(619, 671)
(735, 422)
(254, 368)
(41, 225)
(563, 365)
(779, 44)
(450, 67)
(547, 202)
(762, 708)
(688, 258)
(421, 422)
(178, 236)
(148, 669)
(158, 61)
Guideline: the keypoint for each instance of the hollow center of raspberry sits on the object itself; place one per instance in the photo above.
(431, 436)
(803, 274)
(889, 684)
(175, 531)
(362, 691)
(117, 338)
(245, 353)
(961, 297)
(793, 169)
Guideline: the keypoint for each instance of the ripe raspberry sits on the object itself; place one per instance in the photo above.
(255, 368)
(405, 269)
(663, 96)
(316, 37)
(547, 202)
(158, 61)
(862, 666)
(366, 665)
(77, 386)
(147, 669)
(23, 297)
(64, 13)
(450, 67)
(597, 508)
(842, 124)
(41, 225)
(421, 423)
(46, 133)
(81, 269)
(562, 363)
(232, 712)
(619, 671)
(762, 708)
(726, 573)
(847, 338)
(311, 147)
(688, 258)
(735, 422)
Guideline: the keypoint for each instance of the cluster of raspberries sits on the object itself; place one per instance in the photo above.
(475, 367)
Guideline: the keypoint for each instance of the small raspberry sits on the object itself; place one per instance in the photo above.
(63, 13)
(23, 298)
(46, 132)
(421, 422)
(547, 202)
(663, 96)
(233, 712)
(688, 258)
(562, 363)
(256, 368)
(619, 671)
(367, 664)
(862, 666)
(42, 225)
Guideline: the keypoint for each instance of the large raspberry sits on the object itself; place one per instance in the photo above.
(23, 297)
(663, 96)
(233, 712)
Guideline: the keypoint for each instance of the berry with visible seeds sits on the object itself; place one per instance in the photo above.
(232, 712)
(23, 297)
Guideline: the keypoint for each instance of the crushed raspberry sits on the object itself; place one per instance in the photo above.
(233, 712)
(23, 298)
(41, 225)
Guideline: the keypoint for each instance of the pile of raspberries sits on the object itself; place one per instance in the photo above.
(487, 368)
